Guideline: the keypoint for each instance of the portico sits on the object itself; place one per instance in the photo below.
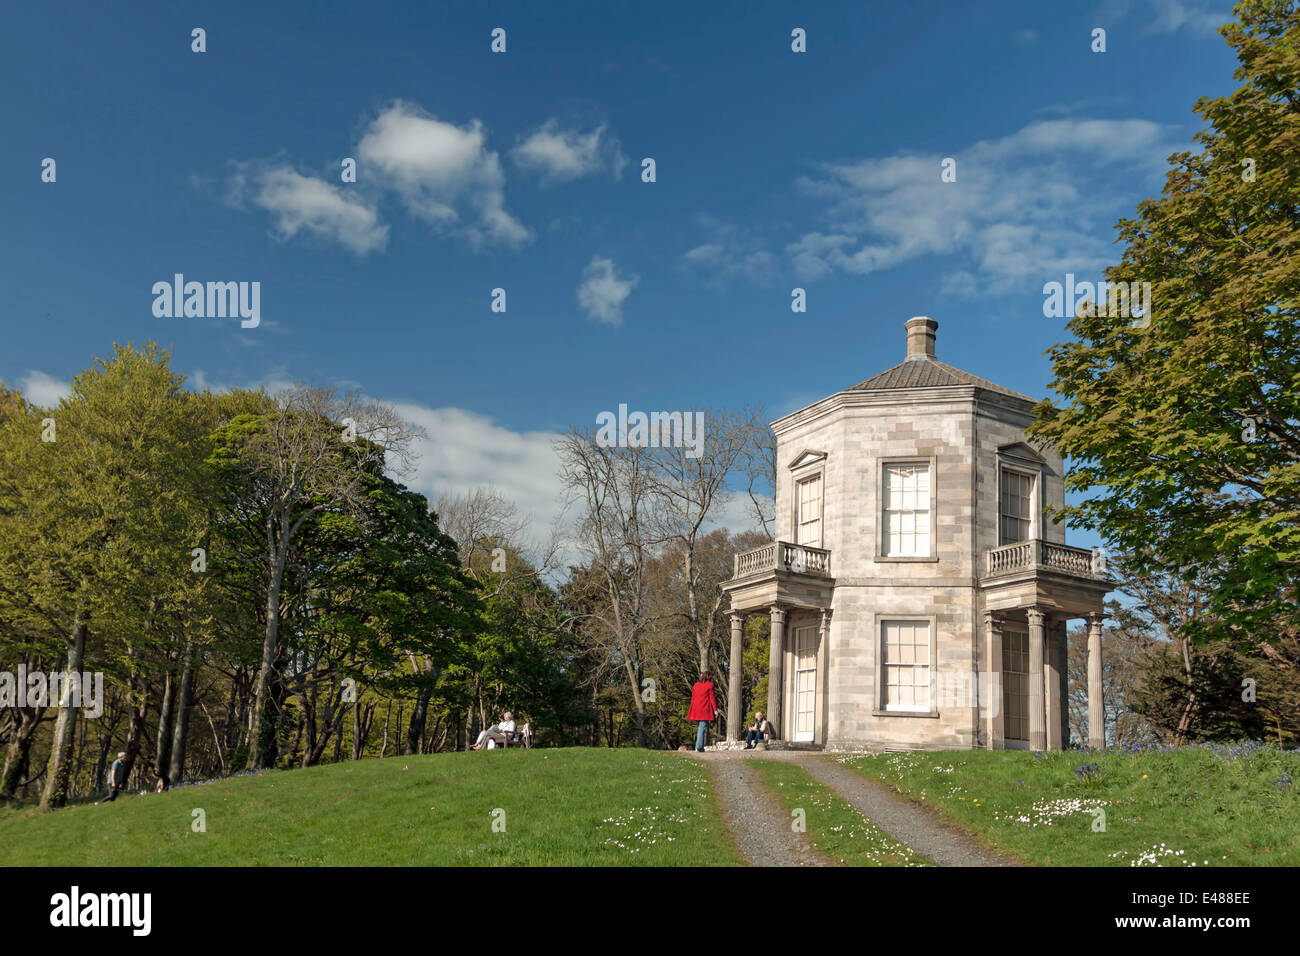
(792, 585)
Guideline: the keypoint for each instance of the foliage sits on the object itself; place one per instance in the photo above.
(1185, 431)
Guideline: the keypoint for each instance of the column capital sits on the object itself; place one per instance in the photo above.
(993, 619)
(1036, 615)
(737, 619)
(1096, 618)
(778, 614)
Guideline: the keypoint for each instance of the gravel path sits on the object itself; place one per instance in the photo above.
(772, 843)
(759, 826)
(901, 819)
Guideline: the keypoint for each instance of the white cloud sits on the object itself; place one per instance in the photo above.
(274, 381)
(443, 173)
(43, 390)
(603, 291)
(1170, 16)
(1020, 207)
(561, 155)
(464, 450)
(729, 253)
(306, 204)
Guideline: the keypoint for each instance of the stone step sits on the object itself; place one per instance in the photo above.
(769, 745)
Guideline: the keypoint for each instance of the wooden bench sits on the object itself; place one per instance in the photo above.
(523, 736)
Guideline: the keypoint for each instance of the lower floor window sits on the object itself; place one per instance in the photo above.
(906, 665)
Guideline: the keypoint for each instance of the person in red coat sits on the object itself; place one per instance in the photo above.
(704, 707)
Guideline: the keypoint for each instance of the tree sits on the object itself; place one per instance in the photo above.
(1184, 426)
(692, 483)
(618, 521)
(96, 508)
(23, 638)
(759, 468)
(310, 454)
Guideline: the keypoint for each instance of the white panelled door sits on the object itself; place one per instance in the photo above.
(805, 682)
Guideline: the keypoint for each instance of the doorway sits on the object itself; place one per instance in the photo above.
(805, 682)
(1015, 688)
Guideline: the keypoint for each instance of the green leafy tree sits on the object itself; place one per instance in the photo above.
(310, 454)
(1183, 426)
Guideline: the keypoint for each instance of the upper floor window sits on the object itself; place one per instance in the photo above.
(810, 512)
(907, 510)
(1015, 514)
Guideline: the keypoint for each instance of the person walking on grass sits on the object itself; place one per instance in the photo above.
(116, 778)
(703, 707)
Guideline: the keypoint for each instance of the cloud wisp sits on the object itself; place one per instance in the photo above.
(603, 291)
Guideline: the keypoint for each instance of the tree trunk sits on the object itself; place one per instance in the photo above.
(415, 735)
(55, 793)
(163, 750)
(18, 754)
(383, 749)
(107, 729)
(135, 730)
(361, 729)
(176, 766)
(232, 713)
(1185, 721)
(221, 750)
(261, 728)
(634, 679)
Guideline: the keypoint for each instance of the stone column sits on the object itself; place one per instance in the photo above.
(1037, 710)
(736, 678)
(1063, 670)
(821, 729)
(1052, 685)
(994, 728)
(1096, 705)
(775, 668)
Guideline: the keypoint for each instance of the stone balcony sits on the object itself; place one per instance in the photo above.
(1043, 574)
(781, 573)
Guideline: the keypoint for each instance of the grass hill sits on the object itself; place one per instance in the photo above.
(579, 806)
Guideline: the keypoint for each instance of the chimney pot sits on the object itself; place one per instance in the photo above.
(920, 336)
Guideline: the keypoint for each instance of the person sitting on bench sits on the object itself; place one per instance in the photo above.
(760, 729)
(497, 733)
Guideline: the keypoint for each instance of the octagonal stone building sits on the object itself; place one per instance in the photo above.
(918, 596)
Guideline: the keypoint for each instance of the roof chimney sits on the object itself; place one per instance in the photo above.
(920, 336)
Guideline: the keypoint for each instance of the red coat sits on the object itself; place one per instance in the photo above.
(703, 706)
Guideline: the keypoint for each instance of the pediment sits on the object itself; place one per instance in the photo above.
(807, 457)
(1023, 451)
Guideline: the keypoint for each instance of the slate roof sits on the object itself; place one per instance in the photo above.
(927, 372)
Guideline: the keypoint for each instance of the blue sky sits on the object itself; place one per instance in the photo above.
(522, 171)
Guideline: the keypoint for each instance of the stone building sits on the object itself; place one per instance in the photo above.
(918, 594)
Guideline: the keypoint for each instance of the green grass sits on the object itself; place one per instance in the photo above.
(834, 826)
(570, 807)
(1180, 808)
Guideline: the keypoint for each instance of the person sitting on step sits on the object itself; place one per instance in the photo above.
(760, 729)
